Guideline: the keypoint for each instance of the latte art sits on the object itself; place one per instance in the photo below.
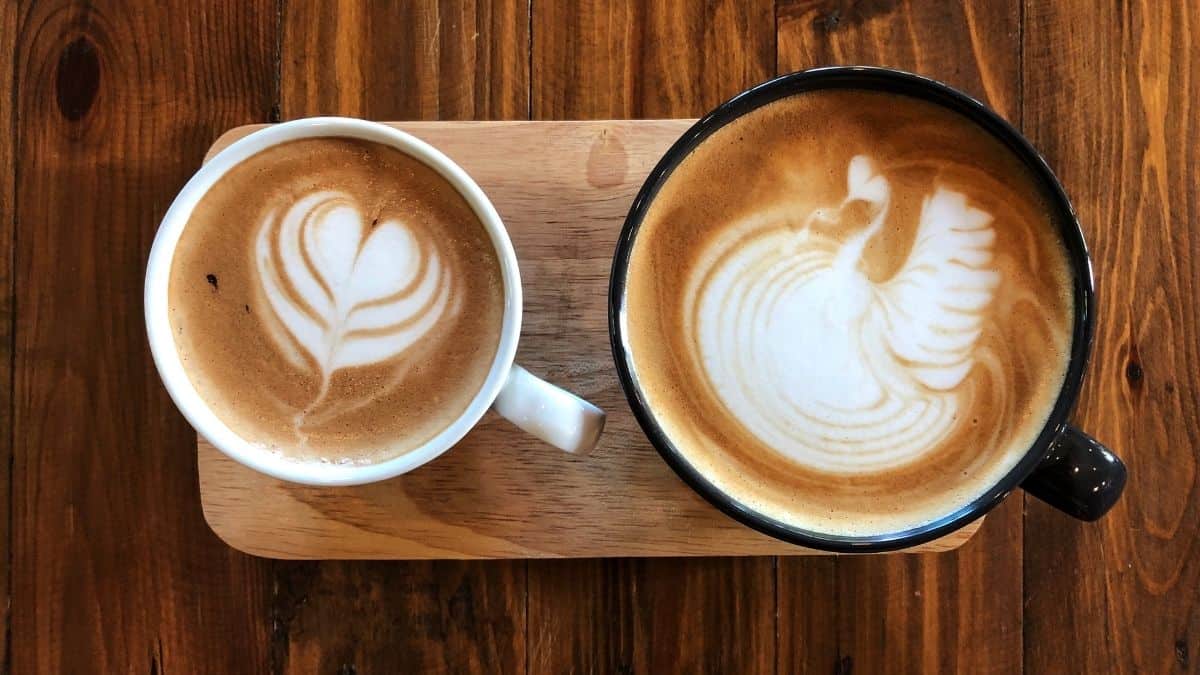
(334, 299)
(827, 366)
(849, 311)
(344, 292)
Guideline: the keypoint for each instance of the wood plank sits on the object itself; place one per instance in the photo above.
(409, 60)
(431, 617)
(8, 214)
(1117, 119)
(406, 60)
(113, 567)
(972, 45)
(649, 615)
(628, 59)
(959, 611)
(663, 59)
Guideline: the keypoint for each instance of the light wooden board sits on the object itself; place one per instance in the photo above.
(563, 189)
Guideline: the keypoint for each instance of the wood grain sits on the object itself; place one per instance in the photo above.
(8, 222)
(628, 59)
(973, 45)
(500, 493)
(402, 60)
(432, 617)
(113, 568)
(1119, 124)
(697, 615)
(958, 612)
(406, 60)
(662, 59)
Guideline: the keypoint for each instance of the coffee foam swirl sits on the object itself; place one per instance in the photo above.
(849, 310)
(347, 293)
(322, 291)
(834, 370)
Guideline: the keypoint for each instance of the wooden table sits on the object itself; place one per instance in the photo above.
(107, 109)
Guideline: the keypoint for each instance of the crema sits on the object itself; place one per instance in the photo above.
(335, 299)
(850, 310)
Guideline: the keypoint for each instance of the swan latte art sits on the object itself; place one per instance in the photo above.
(850, 310)
(335, 299)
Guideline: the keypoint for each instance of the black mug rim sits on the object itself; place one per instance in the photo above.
(891, 81)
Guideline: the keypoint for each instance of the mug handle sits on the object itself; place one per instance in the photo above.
(554, 415)
(1079, 476)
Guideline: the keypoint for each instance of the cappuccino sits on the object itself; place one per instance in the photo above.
(335, 299)
(850, 311)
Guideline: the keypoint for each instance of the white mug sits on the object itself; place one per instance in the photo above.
(552, 414)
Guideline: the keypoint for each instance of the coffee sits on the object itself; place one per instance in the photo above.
(335, 299)
(850, 310)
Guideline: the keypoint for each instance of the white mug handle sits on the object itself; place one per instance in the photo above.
(556, 416)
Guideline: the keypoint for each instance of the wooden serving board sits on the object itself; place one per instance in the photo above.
(563, 189)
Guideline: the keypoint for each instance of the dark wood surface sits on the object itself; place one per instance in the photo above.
(107, 107)
(8, 32)
(1122, 128)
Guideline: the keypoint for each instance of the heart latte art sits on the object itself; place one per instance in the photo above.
(346, 292)
(833, 369)
(335, 299)
(849, 311)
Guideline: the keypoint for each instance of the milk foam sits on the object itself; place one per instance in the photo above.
(850, 311)
(834, 370)
(346, 292)
(335, 299)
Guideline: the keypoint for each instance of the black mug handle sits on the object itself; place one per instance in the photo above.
(1079, 476)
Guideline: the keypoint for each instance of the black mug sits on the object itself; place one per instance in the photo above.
(1064, 467)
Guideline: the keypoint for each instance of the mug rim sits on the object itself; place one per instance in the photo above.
(175, 377)
(888, 80)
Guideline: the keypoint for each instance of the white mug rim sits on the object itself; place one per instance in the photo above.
(179, 385)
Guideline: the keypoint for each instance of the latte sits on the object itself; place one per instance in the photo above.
(850, 310)
(335, 299)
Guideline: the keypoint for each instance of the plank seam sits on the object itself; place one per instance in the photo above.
(529, 62)
(775, 575)
(276, 113)
(277, 638)
(14, 138)
(1024, 497)
(775, 559)
(528, 116)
